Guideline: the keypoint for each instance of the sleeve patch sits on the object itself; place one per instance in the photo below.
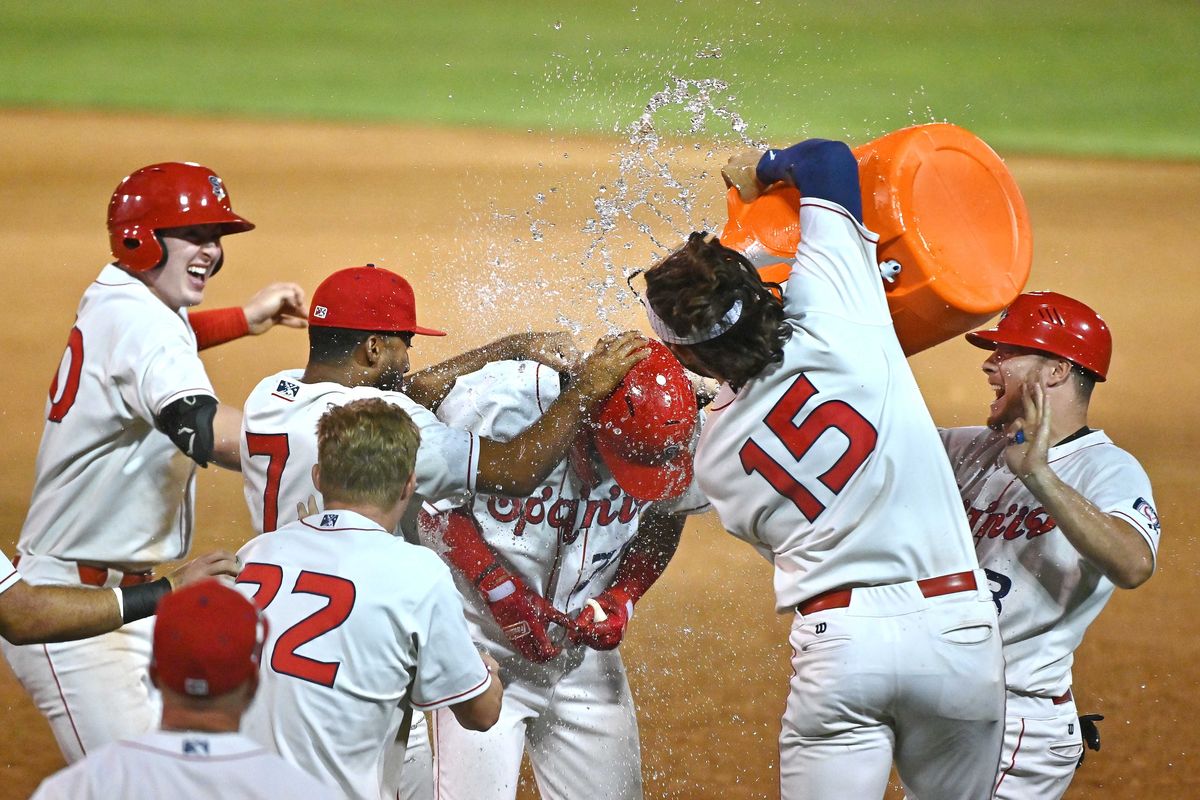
(1147, 511)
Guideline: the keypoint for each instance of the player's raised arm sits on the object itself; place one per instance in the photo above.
(818, 168)
(517, 467)
(555, 349)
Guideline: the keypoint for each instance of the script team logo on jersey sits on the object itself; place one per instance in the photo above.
(1148, 512)
(217, 187)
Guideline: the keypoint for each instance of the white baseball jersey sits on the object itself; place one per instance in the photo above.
(11, 578)
(566, 543)
(1045, 591)
(183, 764)
(566, 540)
(362, 625)
(127, 358)
(279, 446)
(829, 458)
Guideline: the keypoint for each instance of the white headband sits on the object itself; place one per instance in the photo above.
(664, 332)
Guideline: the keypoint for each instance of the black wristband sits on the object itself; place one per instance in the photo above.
(141, 601)
(488, 570)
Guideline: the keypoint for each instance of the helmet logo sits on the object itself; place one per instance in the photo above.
(218, 188)
(320, 312)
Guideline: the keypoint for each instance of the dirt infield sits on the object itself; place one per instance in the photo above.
(490, 229)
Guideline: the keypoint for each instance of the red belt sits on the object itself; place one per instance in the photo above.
(930, 587)
(98, 576)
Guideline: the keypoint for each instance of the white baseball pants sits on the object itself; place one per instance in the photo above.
(899, 677)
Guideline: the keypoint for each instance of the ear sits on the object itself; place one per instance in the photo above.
(1057, 371)
(372, 348)
(410, 486)
(316, 476)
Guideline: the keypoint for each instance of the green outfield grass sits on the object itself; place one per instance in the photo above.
(1067, 76)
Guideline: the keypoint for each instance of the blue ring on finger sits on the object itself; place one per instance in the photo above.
(1020, 437)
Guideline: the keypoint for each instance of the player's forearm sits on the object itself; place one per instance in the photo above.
(649, 553)
(35, 614)
(1110, 544)
(430, 386)
(519, 466)
(481, 712)
(227, 438)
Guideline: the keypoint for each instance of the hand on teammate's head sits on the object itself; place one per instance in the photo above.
(612, 357)
(276, 304)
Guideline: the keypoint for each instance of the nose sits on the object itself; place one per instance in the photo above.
(991, 363)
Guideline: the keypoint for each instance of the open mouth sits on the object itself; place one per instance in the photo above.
(198, 271)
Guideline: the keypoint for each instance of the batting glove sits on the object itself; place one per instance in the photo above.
(604, 634)
(523, 615)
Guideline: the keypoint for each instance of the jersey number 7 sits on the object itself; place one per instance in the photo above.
(338, 591)
(275, 447)
(799, 439)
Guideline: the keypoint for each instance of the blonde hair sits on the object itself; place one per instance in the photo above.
(366, 450)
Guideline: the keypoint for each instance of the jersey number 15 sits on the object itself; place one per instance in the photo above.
(799, 439)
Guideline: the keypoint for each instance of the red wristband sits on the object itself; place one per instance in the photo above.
(218, 326)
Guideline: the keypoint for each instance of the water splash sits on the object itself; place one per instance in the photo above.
(658, 189)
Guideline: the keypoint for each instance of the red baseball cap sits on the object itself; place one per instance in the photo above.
(366, 299)
(644, 429)
(207, 640)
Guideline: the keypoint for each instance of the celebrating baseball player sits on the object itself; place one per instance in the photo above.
(820, 452)
(577, 553)
(207, 643)
(361, 328)
(1061, 516)
(364, 627)
(131, 413)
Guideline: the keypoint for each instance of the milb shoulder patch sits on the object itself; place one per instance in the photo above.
(1148, 512)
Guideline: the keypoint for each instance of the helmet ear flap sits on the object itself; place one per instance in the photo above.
(137, 248)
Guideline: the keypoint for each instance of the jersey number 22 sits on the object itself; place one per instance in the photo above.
(340, 594)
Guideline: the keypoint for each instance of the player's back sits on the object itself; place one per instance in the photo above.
(348, 605)
(279, 445)
(829, 458)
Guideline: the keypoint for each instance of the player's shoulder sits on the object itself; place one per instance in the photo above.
(122, 307)
(502, 399)
(1099, 453)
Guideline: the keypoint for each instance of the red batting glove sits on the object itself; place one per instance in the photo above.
(618, 609)
(523, 615)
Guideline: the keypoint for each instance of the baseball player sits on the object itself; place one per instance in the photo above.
(820, 452)
(364, 627)
(577, 552)
(36, 614)
(131, 412)
(207, 643)
(1061, 516)
(362, 325)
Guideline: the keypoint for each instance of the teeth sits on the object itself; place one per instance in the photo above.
(199, 272)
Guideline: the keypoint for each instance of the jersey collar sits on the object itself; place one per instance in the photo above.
(336, 519)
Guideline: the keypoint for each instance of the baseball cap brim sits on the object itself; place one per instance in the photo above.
(426, 331)
(664, 481)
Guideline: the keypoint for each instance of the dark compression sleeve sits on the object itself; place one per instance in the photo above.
(188, 422)
(818, 168)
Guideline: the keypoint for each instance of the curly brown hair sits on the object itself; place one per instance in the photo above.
(695, 287)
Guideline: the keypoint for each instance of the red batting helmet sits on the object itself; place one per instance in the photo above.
(1055, 324)
(644, 429)
(168, 195)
